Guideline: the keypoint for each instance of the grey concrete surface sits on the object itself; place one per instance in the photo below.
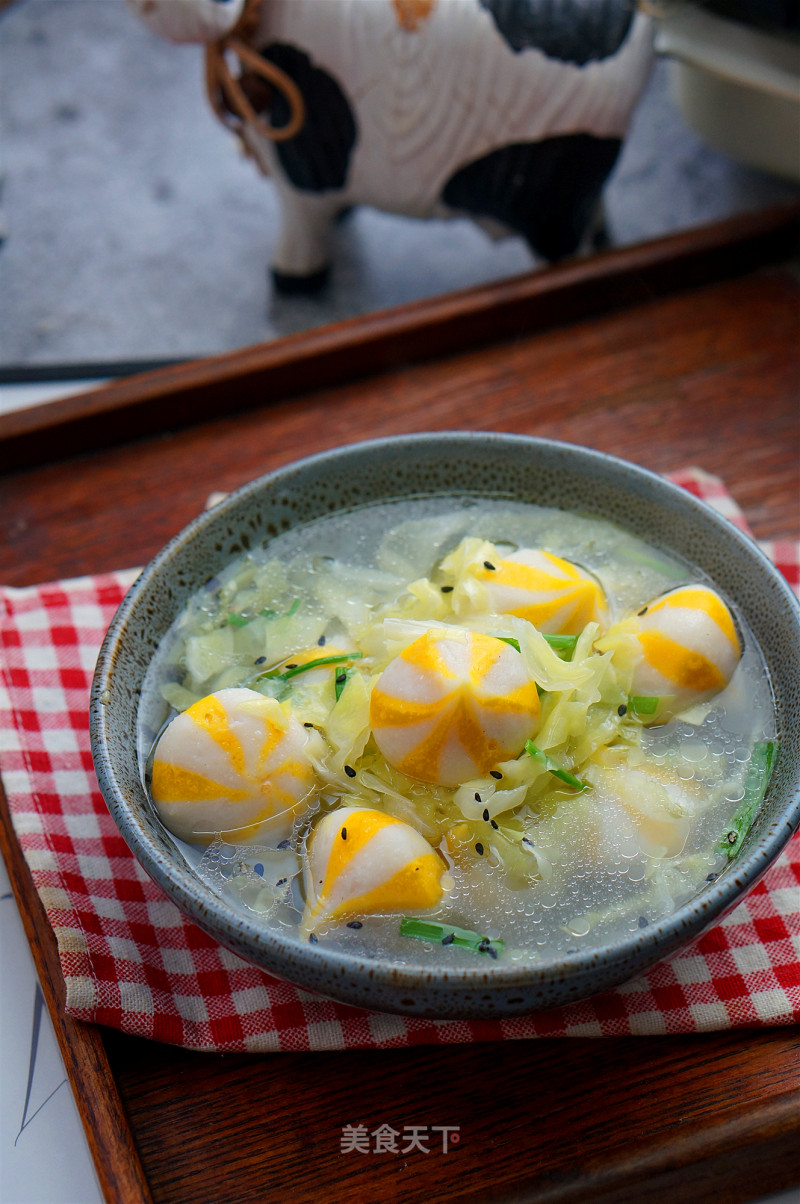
(134, 228)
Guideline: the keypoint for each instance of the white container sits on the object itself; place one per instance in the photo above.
(738, 87)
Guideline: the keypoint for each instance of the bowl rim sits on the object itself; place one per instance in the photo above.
(307, 965)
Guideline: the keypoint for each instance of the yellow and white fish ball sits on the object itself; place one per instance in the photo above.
(364, 862)
(687, 646)
(452, 705)
(554, 595)
(660, 804)
(234, 763)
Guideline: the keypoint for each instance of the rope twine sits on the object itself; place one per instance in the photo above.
(225, 92)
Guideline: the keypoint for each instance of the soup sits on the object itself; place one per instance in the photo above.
(448, 728)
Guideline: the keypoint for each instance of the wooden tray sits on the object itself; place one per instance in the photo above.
(683, 351)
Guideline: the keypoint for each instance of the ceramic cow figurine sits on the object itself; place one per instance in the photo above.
(510, 111)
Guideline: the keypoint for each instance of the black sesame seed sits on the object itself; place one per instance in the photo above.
(284, 844)
(344, 833)
(355, 924)
(490, 949)
(525, 840)
(487, 564)
(479, 849)
(478, 798)
(643, 611)
(495, 773)
(351, 773)
(711, 878)
(486, 813)
(448, 940)
(281, 881)
(622, 709)
(643, 921)
(259, 660)
(732, 837)
(308, 725)
(313, 939)
(341, 678)
(493, 822)
(321, 641)
(292, 666)
(447, 589)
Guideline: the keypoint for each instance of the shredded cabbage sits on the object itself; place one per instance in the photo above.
(519, 820)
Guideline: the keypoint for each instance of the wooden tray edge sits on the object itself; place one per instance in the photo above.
(188, 393)
(117, 1163)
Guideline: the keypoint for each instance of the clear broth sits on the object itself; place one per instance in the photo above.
(595, 885)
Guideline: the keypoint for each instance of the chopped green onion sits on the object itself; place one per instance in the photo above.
(559, 643)
(553, 767)
(234, 620)
(320, 660)
(341, 680)
(562, 643)
(447, 934)
(293, 609)
(642, 704)
(288, 674)
(758, 774)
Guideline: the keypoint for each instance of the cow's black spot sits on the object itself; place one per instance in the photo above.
(574, 31)
(317, 159)
(547, 191)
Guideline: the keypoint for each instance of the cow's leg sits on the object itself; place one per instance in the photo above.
(311, 170)
(300, 261)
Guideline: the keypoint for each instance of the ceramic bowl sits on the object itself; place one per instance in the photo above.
(509, 466)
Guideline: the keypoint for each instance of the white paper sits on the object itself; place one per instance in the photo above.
(44, 1156)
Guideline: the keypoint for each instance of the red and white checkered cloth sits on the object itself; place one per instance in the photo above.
(131, 960)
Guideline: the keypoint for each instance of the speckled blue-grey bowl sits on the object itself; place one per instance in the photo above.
(525, 469)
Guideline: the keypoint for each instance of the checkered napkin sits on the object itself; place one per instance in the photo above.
(131, 960)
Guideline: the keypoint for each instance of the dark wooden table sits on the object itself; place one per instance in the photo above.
(680, 352)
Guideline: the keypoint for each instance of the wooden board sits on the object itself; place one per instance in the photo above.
(705, 374)
(175, 396)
